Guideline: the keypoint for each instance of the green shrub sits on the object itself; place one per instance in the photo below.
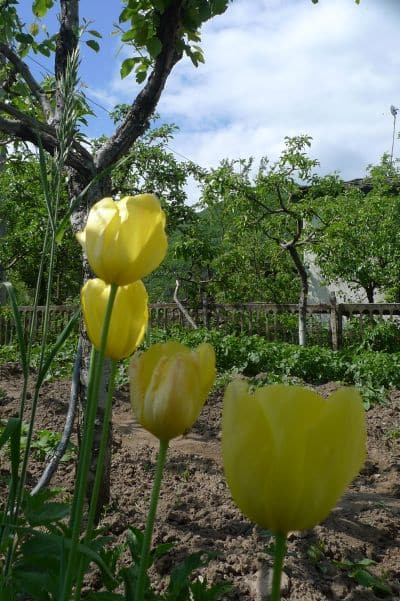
(376, 334)
(374, 368)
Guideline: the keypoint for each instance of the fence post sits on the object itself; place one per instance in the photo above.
(335, 326)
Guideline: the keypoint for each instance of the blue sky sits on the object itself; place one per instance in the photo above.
(273, 68)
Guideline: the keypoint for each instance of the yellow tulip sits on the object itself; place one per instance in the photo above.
(288, 453)
(128, 319)
(125, 240)
(169, 385)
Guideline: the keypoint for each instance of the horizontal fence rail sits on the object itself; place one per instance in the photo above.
(328, 324)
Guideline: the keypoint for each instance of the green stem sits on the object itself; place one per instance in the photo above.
(99, 471)
(280, 552)
(148, 533)
(95, 373)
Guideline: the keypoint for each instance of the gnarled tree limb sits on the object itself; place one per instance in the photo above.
(23, 69)
(136, 121)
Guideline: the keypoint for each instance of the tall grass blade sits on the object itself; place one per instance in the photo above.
(45, 184)
(18, 324)
(56, 347)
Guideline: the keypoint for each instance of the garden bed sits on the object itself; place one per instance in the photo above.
(196, 509)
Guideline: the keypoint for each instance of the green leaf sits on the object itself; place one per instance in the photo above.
(40, 7)
(45, 183)
(95, 33)
(18, 324)
(51, 546)
(128, 36)
(56, 347)
(141, 76)
(34, 29)
(46, 513)
(93, 45)
(180, 576)
(160, 550)
(32, 583)
(153, 46)
(12, 432)
(127, 67)
(219, 7)
(24, 38)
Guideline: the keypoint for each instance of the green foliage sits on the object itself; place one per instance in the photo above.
(381, 335)
(24, 215)
(267, 219)
(372, 372)
(371, 334)
(150, 166)
(61, 366)
(361, 243)
(375, 368)
(43, 444)
(358, 571)
(147, 37)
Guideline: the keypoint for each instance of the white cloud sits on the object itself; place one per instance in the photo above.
(285, 67)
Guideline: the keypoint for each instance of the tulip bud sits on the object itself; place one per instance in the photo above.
(169, 385)
(125, 240)
(128, 319)
(289, 454)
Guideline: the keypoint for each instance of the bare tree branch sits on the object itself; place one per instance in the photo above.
(181, 307)
(30, 130)
(136, 121)
(23, 69)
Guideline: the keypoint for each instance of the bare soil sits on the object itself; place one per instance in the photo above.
(196, 509)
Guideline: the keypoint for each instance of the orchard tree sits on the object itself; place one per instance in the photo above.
(278, 205)
(361, 244)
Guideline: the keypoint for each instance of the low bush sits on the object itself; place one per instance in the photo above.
(373, 335)
(372, 371)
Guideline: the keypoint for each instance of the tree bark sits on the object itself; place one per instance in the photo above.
(370, 291)
(303, 299)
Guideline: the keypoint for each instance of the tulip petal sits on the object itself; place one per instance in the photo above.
(128, 320)
(146, 244)
(337, 440)
(288, 453)
(169, 384)
(125, 240)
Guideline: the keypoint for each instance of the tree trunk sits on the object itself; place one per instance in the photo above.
(303, 299)
(370, 293)
(3, 293)
(78, 220)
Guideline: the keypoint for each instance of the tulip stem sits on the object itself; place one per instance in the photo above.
(148, 533)
(85, 452)
(280, 552)
(99, 472)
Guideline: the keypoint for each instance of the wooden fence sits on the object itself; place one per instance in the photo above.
(327, 323)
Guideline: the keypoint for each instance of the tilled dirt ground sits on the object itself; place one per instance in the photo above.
(197, 512)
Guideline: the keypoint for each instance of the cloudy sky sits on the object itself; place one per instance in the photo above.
(274, 68)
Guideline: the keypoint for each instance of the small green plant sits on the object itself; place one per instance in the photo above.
(316, 552)
(43, 445)
(46, 442)
(358, 571)
(392, 434)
